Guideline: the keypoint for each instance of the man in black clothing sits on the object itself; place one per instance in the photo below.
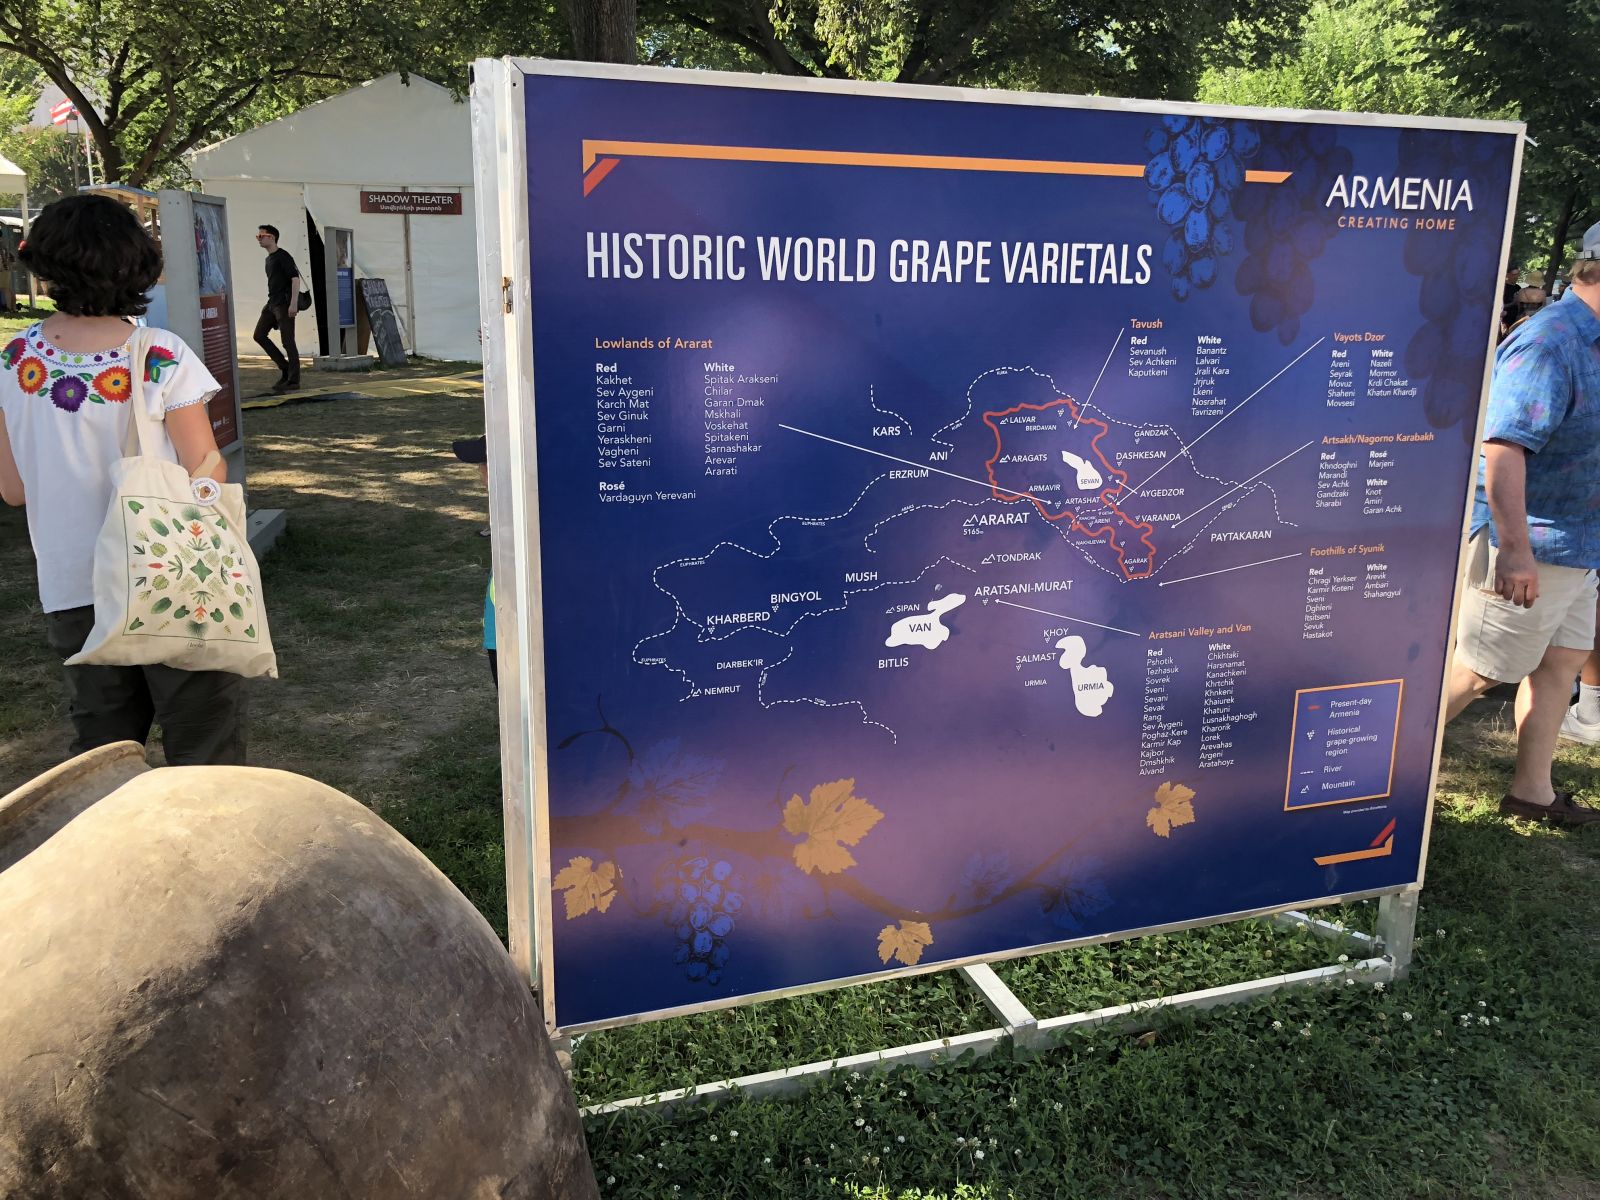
(283, 302)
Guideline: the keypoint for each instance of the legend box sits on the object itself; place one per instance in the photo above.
(1343, 743)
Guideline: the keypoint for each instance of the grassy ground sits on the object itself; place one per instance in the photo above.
(1477, 1077)
(22, 316)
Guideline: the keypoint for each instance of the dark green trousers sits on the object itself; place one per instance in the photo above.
(202, 713)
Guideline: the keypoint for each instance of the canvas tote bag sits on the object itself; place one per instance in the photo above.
(175, 581)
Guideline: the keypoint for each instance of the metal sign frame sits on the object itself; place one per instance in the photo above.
(179, 213)
(501, 169)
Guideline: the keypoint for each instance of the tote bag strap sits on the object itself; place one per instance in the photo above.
(144, 432)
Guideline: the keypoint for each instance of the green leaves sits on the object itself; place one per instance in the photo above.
(200, 571)
(159, 549)
(161, 605)
(161, 583)
(160, 526)
(237, 611)
(134, 624)
(135, 507)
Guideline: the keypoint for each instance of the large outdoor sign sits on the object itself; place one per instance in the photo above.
(953, 524)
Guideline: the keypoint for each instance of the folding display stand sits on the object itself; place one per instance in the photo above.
(532, 177)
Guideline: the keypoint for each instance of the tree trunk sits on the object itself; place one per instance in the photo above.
(1558, 242)
(603, 30)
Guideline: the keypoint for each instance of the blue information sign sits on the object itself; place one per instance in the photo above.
(347, 295)
(970, 523)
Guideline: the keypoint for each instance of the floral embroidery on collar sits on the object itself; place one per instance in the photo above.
(71, 379)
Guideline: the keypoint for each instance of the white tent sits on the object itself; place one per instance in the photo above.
(13, 180)
(382, 136)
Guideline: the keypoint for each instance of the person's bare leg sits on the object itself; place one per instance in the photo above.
(1541, 703)
(1589, 697)
(1466, 685)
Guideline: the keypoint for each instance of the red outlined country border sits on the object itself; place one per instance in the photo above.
(1108, 532)
(601, 156)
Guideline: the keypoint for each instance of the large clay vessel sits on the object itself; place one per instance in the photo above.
(230, 982)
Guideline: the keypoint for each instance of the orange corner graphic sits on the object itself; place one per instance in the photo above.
(1382, 847)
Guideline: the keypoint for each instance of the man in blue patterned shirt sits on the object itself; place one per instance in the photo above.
(1528, 607)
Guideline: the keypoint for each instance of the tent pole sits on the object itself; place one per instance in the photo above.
(33, 294)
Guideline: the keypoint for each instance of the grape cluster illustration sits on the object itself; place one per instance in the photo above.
(1459, 290)
(1196, 166)
(1286, 226)
(702, 915)
(1072, 892)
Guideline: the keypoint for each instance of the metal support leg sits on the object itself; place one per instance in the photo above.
(1021, 1024)
(1397, 929)
(563, 1047)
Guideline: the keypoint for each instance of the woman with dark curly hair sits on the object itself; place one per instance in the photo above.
(65, 387)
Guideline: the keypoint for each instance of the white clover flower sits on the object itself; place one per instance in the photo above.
(1483, 1020)
(1378, 986)
(901, 1093)
(1344, 958)
(1305, 1031)
(977, 1154)
(1018, 1153)
(1012, 1103)
(1483, 1004)
(713, 1137)
(1058, 1106)
(1438, 933)
(961, 1141)
(901, 1138)
(1277, 1024)
(766, 1162)
(610, 1179)
(1405, 1016)
(860, 1121)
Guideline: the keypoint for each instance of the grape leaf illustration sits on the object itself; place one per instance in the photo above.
(587, 888)
(1173, 808)
(905, 941)
(835, 817)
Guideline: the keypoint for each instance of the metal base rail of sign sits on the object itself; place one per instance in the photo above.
(1388, 958)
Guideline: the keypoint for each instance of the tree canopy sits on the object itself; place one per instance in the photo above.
(1536, 59)
(152, 79)
(1118, 47)
(1354, 56)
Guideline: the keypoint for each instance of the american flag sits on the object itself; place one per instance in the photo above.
(63, 112)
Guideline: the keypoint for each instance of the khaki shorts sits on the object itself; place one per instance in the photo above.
(1504, 641)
